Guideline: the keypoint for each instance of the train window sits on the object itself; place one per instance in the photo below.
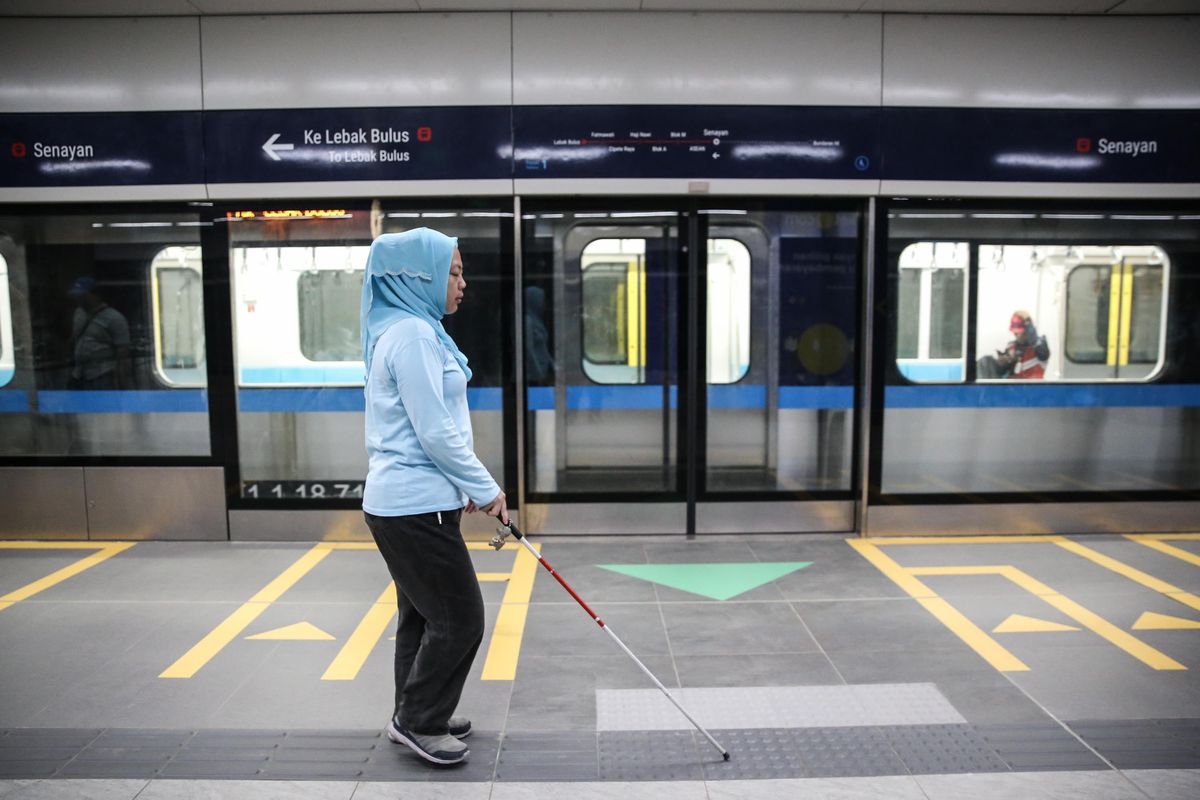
(1087, 322)
(1114, 308)
(1083, 334)
(310, 294)
(930, 306)
(297, 281)
(1102, 306)
(614, 310)
(7, 364)
(328, 304)
(178, 308)
(104, 330)
(728, 341)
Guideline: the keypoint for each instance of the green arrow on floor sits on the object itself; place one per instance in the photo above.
(718, 581)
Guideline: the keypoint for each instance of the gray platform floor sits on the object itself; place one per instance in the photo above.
(833, 680)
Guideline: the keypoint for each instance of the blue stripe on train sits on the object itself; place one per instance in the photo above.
(1024, 394)
(122, 401)
(541, 398)
(14, 401)
(350, 399)
(342, 399)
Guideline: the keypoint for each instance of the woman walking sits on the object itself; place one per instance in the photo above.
(423, 474)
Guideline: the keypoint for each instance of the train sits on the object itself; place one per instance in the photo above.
(745, 302)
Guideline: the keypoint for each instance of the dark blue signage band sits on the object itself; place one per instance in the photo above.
(566, 142)
(695, 142)
(101, 149)
(358, 144)
(1009, 144)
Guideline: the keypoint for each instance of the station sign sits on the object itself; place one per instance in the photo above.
(570, 142)
(358, 144)
(129, 149)
(695, 142)
(1063, 146)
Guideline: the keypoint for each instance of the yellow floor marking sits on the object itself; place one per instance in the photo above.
(1163, 547)
(103, 552)
(501, 662)
(1088, 619)
(1190, 537)
(233, 625)
(1150, 621)
(353, 655)
(300, 632)
(1121, 568)
(987, 647)
(951, 539)
(1019, 623)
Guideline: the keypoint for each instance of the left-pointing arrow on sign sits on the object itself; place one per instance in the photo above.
(269, 147)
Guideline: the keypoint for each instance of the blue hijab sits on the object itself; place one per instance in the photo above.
(407, 275)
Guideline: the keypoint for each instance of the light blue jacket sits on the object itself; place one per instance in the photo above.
(419, 427)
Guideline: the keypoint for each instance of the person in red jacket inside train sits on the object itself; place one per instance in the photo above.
(1025, 356)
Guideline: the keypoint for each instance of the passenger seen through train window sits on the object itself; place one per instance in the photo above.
(1025, 356)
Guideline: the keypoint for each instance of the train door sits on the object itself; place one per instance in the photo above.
(687, 368)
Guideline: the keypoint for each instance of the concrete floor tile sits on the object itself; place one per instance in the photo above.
(870, 625)
(654, 790)
(76, 790)
(564, 629)
(247, 790)
(1102, 682)
(181, 572)
(559, 693)
(881, 788)
(756, 669)
(732, 628)
(1107, 785)
(22, 567)
(687, 553)
(593, 584)
(1167, 784)
(422, 790)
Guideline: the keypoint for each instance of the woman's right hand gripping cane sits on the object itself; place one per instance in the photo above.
(497, 508)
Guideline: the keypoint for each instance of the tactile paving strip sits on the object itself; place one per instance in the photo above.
(1033, 747)
(607, 755)
(1144, 743)
(934, 749)
(651, 756)
(769, 707)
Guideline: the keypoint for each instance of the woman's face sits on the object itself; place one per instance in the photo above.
(456, 285)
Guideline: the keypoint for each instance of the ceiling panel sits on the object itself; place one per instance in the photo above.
(676, 59)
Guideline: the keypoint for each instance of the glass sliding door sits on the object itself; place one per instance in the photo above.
(296, 279)
(671, 385)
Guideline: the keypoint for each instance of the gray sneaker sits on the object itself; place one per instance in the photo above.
(439, 749)
(460, 727)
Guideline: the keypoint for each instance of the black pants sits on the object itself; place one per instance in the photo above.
(441, 614)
